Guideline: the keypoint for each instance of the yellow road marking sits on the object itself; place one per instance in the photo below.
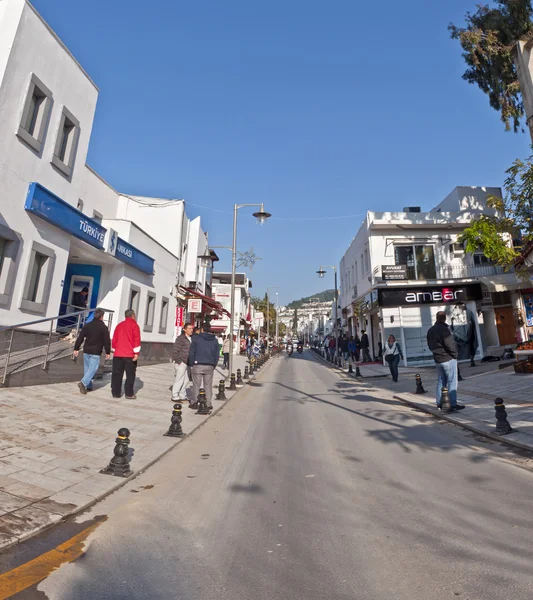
(39, 568)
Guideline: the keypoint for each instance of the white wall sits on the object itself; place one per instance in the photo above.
(472, 199)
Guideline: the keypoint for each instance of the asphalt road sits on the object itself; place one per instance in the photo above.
(308, 486)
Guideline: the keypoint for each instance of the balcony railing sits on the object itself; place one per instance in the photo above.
(430, 272)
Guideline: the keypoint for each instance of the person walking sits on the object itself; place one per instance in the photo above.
(332, 344)
(180, 356)
(365, 345)
(343, 346)
(126, 346)
(441, 343)
(203, 358)
(358, 347)
(352, 349)
(392, 353)
(95, 337)
(225, 352)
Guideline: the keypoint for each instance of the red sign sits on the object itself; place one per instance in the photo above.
(179, 316)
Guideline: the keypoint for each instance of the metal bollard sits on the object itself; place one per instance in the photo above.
(232, 385)
(357, 371)
(445, 405)
(175, 429)
(119, 464)
(221, 390)
(202, 403)
(419, 387)
(246, 373)
(503, 426)
(350, 368)
(472, 362)
(459, 376)
(239, 378)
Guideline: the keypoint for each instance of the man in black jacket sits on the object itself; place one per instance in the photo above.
(365, 345)
(441, 343)
(94, 336)
(180, 356)
(203, 358)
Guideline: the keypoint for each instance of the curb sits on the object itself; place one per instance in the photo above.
(438, 415)
(121, 482)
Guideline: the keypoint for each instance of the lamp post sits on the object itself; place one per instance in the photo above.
(321, 274)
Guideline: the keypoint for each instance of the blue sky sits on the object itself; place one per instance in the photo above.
(318, 109)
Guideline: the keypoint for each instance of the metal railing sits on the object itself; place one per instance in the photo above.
(22, 347)
(433, 272)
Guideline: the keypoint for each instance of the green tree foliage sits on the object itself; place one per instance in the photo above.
(260, 304)
(492, 234)
(488, 42)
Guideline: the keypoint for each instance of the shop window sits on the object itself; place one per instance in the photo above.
(133, 302)
(35, 114)
(150, 311)
(419, 260)
(481, 259)
(66, 142)
(38, 279)
(163, 319)
(9, 247)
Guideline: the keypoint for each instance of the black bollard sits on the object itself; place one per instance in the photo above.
(239, 378)
(350, 368)
(419, 387)
(246, 373)
(221, 390)
(357, 371)
(472, 363)
(232, 385)
(502, 424)
(445, 405)
(119, 464)
(459, 376)
(175, 429)
(202, 403)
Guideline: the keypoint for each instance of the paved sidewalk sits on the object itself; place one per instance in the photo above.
(54, 441)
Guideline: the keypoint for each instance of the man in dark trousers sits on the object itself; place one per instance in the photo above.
(180, 356)
(95, 337)
(126, 347)
(365, 345)
(203, 358)
(441, 343)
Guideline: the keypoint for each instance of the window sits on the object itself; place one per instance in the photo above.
(35, 114)
(9, 247)
(3, 247)
(362, 265)
(80, 205)
(420, 261)
(150, 311)
(133, 303)
(356, 273)
(66, 142)
(367, 263)
(97, 216)
(481, 259)
(38, 279)
(163, 319)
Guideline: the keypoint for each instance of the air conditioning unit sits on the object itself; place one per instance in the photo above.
(192, 284)
(457, 248)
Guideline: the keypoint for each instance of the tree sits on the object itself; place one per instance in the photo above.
(295, 321)
(493, 234)
(260, 304)
(488, 42)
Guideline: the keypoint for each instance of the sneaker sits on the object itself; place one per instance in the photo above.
(134, 397)
(83, 389)
(459, 406)
(194, 406)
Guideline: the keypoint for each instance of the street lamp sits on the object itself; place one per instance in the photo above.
(261, 215)
(321, 272)
(272, 287)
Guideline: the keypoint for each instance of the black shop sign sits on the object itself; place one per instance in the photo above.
(393, 272)
(413, 296)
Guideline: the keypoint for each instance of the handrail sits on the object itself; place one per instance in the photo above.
(65, 316)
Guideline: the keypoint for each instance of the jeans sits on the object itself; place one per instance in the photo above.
(366, 355)
(203, 373)
(393, 366)
(121, 364)
(226, 360)
(447, 377)
(181, 379)
(91, 362)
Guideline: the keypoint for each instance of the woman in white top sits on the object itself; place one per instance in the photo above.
(392, 353)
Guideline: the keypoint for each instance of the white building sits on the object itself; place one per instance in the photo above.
(403, 267)
(62, 227)
(243, 318)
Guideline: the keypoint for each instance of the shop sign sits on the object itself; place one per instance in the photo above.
(428, 295)
(528, 306)
(393, 272)
(486, 299)
(42, 203)
(180, 313)
(132, 256)
(194, 306)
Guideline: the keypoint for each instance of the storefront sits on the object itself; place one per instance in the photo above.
(408, 313)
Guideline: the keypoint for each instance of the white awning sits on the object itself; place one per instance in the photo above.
(505, 283)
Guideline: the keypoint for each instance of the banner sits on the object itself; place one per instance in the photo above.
(194, 306)
(179, 316)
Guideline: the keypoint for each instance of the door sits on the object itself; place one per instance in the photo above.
(80, 290)
(505, 325)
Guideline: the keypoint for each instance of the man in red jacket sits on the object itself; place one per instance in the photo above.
(126, 346)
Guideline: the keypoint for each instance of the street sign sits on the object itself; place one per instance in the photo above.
(393, 272)
(194, 306)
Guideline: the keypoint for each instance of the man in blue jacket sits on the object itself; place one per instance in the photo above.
(203, 358)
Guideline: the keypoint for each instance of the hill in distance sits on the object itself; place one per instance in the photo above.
(326, 296)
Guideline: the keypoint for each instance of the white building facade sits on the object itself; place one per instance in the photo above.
(402, 268)
(244, 313)
(62, 227)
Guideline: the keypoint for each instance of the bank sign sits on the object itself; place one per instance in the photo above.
(413, 296)
(134, 257)
(42, 203)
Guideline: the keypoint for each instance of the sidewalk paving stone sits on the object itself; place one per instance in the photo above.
(50, 462)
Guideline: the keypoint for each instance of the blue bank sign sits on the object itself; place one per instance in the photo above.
(132, 256)
(48, 206)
